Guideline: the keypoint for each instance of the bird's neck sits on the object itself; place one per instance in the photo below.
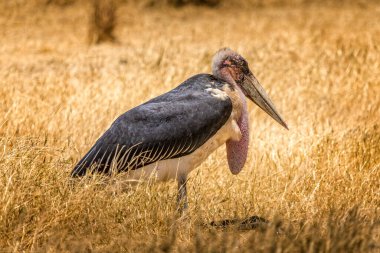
(225, 75)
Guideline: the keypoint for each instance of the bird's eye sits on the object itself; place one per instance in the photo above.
(245, 64)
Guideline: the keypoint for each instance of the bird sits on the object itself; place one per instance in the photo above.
(170, 135)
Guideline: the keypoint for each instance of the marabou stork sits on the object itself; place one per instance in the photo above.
(172, 134)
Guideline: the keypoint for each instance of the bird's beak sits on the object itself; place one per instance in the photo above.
(255, 92)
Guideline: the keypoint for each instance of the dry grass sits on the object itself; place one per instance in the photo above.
(318, 183)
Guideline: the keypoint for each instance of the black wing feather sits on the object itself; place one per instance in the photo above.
(169, 126)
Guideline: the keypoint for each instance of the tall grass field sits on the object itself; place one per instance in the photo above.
(318, 184)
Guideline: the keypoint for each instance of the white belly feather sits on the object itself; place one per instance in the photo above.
(172, 168)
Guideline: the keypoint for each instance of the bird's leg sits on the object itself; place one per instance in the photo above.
(182, 205)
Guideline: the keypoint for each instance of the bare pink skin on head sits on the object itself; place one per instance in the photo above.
(237, 151)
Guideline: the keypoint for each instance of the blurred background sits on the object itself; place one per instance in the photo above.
(68, 68)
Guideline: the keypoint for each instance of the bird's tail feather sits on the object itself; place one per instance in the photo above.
(96, 159)
(105, 159)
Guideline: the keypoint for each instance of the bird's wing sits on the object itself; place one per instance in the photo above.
(169, 126)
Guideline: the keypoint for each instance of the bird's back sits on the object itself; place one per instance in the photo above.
(168, 126)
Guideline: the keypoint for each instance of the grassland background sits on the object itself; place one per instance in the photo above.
(319, 181)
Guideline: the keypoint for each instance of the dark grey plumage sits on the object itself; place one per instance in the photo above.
(169, 126)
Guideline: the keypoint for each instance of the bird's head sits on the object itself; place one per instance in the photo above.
(233, 68)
